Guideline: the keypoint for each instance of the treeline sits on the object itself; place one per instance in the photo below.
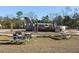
(17, 23)
(71, 22)
(6, 23)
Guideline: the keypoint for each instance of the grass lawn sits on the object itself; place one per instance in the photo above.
(42, 45)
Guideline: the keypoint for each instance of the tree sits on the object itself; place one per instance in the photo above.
(67, 10)
(45, 19)
(75, 16)
(34, 20)
(67, 21)
(51, 16)
(59, 20)
(1, 18)
(19, 14)
(18, 24)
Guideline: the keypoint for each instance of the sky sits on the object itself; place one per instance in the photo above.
(40, 11)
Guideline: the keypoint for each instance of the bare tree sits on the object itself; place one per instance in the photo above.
(11, 23)
(31, 15)
(67, 10)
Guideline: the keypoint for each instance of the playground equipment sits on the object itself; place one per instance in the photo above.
(20, 37)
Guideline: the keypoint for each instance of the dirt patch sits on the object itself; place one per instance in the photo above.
(41, 45)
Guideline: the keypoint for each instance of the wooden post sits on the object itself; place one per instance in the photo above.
(36, 27)
(11, 28)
